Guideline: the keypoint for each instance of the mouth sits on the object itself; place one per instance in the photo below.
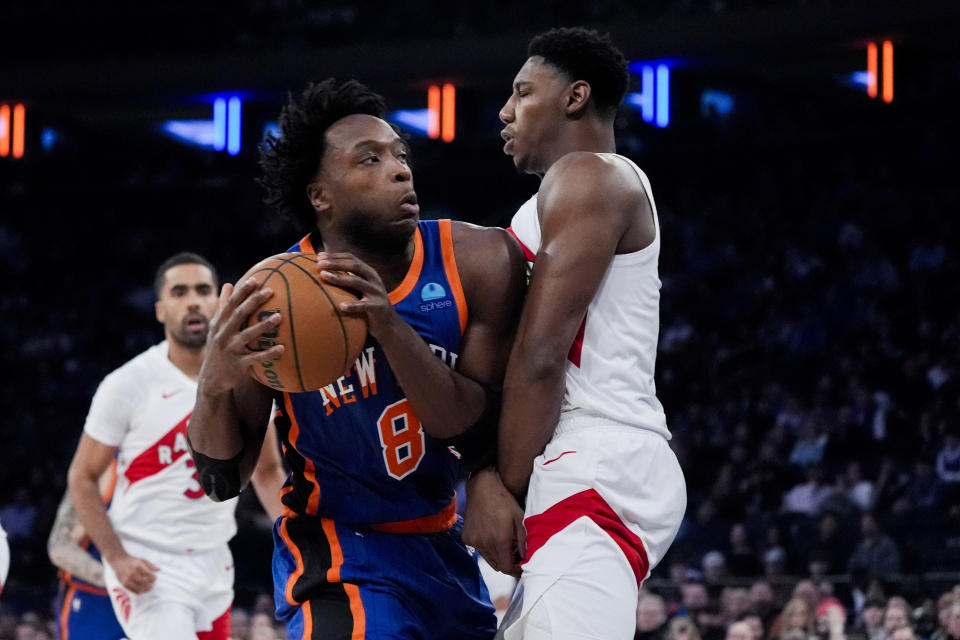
(508, 141)
(195, 322)
(409, 204)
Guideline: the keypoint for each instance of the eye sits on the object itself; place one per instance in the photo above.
(371, 159)
(403, 157)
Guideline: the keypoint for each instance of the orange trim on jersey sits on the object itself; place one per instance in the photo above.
(65, 613)
(86, 588)
(309, 471)
(306, 245)
(333, 575)
(450, 267)
(292, 580)
(413, 273)
(111, 487)
(307, 621)
(356, 609)
(428, 524)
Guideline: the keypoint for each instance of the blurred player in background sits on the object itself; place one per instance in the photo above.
(583, 437)
(167, 567)
(369, 545)
(4, 558)
(83, 607)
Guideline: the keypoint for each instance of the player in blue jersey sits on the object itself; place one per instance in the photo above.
(369, 546)
(83, 607)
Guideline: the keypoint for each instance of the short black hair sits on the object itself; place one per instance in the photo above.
(291, 159)
(184, 257)
(584, 54)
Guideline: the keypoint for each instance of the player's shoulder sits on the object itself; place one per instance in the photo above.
(485, 251)
(137, 371)
(592, 179)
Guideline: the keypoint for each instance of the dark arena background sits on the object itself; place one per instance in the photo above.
(803, 155)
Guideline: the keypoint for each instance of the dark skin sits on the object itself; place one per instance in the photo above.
(591, 208)
(367, 215)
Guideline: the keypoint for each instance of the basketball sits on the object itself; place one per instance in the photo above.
(319, 343)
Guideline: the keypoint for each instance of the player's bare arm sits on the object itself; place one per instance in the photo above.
(587, 206)
(230, 417)
(64, 550)
(448, 402)
(269, 475)
(89, 462)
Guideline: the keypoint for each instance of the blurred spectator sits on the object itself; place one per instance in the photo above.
(953, 622)
(682, 628)
(807, 591)
(809, 446)
(762, 602)
(869, 623)
(830, 620)
(742, 558)
(876, 554)
(756, 626)
(651, 617)
(795, 621)
(855, 487)
(944, 604)
(739, 631)
(895, 616)
(714, 567)
(807, 497)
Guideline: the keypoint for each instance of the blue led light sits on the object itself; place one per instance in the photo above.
(219, 124)
(199, 133)
(233, 126)
(663, 96)
(715, 103)
(413, 120)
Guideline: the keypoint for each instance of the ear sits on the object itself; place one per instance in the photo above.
(318, 196)
(159, 310)
(577, 97)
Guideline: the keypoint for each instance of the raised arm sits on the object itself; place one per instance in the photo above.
(586, 205)
(229, 420)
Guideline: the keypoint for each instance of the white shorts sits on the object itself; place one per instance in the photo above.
(605, 503)
(191, 591)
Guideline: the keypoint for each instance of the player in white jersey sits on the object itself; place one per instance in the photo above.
(583, 438)
(167, 567)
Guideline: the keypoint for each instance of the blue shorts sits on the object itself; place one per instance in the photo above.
(85, 613)
(332, 581)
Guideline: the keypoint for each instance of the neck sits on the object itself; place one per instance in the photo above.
(390, 265)
(591, 134)
(185, 359)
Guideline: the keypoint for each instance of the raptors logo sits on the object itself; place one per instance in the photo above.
(123, 602)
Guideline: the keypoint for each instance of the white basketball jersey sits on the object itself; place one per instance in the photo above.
(142, 408)
(611, 363)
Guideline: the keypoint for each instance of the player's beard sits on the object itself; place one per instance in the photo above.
(189, 338)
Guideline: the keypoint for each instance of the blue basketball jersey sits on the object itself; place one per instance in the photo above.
(357, 452)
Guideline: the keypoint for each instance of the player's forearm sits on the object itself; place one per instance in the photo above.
(214, 427)
(92, 513)
(446, 402)
(74, 560)
(532, 394)
(66, 554)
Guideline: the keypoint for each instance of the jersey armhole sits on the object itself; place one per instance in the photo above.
(450, 268)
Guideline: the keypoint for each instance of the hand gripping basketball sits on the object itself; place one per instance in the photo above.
(228, 358)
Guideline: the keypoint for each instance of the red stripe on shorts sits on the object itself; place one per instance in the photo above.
(544, 526)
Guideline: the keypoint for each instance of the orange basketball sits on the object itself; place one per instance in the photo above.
(319, 343)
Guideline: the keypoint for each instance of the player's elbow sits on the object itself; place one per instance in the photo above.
(539, 360)
(221, 480)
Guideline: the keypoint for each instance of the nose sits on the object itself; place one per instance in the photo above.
(403, 172)
(506, 112)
